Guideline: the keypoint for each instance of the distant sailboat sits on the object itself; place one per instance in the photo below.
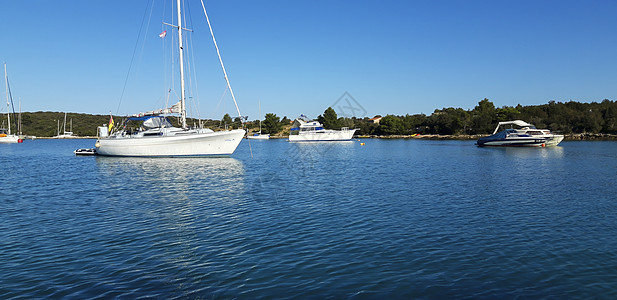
(5, 133)
(65, 134)
(156, 135)
(259, 136)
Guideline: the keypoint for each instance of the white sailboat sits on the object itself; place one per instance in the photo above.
(65, 134)
(259, 136)
(5, 133)
(158, 137)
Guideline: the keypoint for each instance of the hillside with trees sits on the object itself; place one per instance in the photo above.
(566, 118)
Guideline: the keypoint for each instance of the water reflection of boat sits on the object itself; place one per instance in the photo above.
(525, 135)
(146, 168)
(183, 176)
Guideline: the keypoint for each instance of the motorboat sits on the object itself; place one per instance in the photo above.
(520, 134)
(85, 152)
(306, 130)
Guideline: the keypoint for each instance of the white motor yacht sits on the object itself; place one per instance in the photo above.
(305, 130)
(524, 135)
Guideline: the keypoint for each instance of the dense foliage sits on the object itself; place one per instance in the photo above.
(48, 124)
(329, 120)
(272, 124)
(568, 118)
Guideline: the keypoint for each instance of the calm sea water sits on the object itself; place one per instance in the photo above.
(390, 219)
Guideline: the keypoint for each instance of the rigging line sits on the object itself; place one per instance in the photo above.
(222, 66)
(193, 84)
(218, 106)
(133, 56)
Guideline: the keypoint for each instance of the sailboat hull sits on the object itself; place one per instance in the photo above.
(323, 135)
(217, 143)
(259, 137)
(9, 139)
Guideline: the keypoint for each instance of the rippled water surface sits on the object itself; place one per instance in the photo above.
(390, 219)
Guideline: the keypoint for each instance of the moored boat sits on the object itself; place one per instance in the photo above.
(259, 135)
(65, 134)
(85, 151)
(6, 137)
(154, 135)
(306, 130)
(521, 134)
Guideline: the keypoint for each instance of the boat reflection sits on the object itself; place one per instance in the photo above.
(526, 152)
(177, 175)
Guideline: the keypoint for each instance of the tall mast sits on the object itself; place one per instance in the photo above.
(8, 107)
(259, 117)
(183, 96)
(64, 126)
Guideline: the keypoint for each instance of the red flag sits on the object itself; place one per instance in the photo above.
(163, 34)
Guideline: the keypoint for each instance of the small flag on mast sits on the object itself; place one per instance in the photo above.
(111, 123)
(163, 34)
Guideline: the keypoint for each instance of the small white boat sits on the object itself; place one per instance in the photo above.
(259, 136)
(305, 130)
(525, 135)
(85, 151)
(7, 138)
(65, 134)
(5, 133)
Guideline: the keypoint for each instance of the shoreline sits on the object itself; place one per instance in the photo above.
(567, 137)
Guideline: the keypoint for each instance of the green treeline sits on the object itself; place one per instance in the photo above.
(47, 124)
(567, 118)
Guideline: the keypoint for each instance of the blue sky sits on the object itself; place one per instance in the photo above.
(299, 57)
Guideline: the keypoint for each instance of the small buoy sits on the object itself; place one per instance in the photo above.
(20, 141)
(543, 145)
(361, 144)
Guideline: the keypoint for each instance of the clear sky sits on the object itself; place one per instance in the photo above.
(299, 57)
